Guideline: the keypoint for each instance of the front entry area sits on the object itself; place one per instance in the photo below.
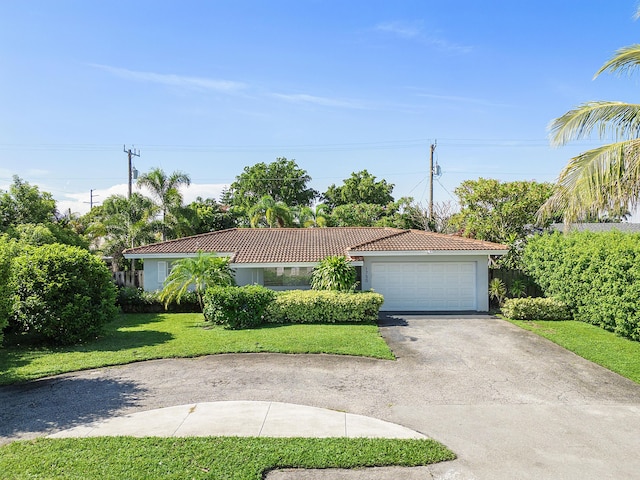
(426, 286)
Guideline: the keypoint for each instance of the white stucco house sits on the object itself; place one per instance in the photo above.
(414, 270)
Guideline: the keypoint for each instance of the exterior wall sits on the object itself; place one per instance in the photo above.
(482, 271)
(151, 283)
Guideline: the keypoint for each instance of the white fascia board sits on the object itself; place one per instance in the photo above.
(284, 264)
(415, 253)
(162, 256)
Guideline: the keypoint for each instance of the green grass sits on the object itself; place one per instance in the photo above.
(618, 354)
(136, 337)
(103, 458)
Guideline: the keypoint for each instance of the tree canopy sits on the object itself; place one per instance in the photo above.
(25, 203)
(360, 187)
(606, 179)
(282, 180)
(498, 211)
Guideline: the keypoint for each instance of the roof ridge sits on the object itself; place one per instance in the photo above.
(174, 240)
(396, 233)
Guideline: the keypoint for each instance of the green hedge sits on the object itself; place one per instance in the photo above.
(535, 309)
(9, 249)
(237, 307)
(310, 306)
(597, 275)
(61, 292)
(136, 300)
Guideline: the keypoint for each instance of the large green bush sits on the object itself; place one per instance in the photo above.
(8, 250)
(309, 306)
(334, 273)
(237, 307)
(597, 275)
(535, 309)
(61, 292)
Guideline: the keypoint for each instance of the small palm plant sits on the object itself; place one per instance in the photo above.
(497, 290)
(518, 288)
(334, 273)
(200, 272)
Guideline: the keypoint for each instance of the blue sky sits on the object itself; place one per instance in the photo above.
(209, 87)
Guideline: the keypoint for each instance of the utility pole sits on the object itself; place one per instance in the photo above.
(131, 153)
(91, 195)
(433, 147)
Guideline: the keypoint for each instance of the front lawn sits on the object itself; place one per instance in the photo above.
(591, 342)
(237, 458)
(136, 337)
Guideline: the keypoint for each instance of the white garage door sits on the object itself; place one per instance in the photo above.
(427, 286)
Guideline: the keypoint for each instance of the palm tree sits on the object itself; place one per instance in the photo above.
(606, 179)
(312, 217)
(200, 272)
(165, 191)
(267, 210)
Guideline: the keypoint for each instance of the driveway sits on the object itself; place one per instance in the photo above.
(510, 404)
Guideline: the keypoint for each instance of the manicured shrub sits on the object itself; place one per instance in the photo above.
(61, 292)
(597, 275)
(535, 309)
(309, 306)
(237, 307)
(334, 273)
(8, 250)
(136, 300)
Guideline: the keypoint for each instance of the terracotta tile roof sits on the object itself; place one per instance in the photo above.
(288, 245)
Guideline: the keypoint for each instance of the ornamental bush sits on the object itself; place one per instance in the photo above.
(535, 309)
(597, 275)
(237, 307)
(309, 306)
(136, 300)
(61, 292)
(334, 273)
(8, 250)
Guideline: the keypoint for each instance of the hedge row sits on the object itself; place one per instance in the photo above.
(597, 275)
(535, 309)
(254, 305)
(136, 300)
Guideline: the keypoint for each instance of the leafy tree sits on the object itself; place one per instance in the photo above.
(496, 211)
(165, 191)
(24, 203)
(605, 179)
(9, 249)
(209, 216)
(200, 272)
(270, 213)
(281, 180)
(357, 215)
(360, 187)
(334, 273)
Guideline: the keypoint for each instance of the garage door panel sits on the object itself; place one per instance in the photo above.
(435, 286)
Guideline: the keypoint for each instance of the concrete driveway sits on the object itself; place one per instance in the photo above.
(510, 404)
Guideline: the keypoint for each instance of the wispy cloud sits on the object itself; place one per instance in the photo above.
(322, 101)
(415, 31)
(170, 79)
(453, 98)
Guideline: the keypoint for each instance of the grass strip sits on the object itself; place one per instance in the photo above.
(136, 337)
(600, 346)
(237, 458)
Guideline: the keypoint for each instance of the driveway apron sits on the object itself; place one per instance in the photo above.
(510, 404)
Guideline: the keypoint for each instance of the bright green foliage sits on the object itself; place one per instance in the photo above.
(200, 272)
(361, 187)
(357, 215)
(496, 211)
(206, 458)
(535, 309)
(237, 307)
(282, 180)
(63, 293)
(309, 306)
(9, 249)
(207, 215)
(518, 288)
(597, 275)
(334, 273)
(268, 212)
(136, 300)
(24, 203)
(306, 217)
(497, 290)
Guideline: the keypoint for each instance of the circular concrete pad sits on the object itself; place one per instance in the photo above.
(243, 419)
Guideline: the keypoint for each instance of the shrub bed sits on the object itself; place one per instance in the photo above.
(535, 309)
(597, 275)
(310, 306)
(237, 307)
(136, 300)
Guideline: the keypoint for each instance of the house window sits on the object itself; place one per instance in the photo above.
(287, 276)
(162, 272)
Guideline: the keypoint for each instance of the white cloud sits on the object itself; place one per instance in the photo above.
(323, 101)
(401, 29)
(173, 80)
(79, 202)
(415, 31)
(453, 98)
